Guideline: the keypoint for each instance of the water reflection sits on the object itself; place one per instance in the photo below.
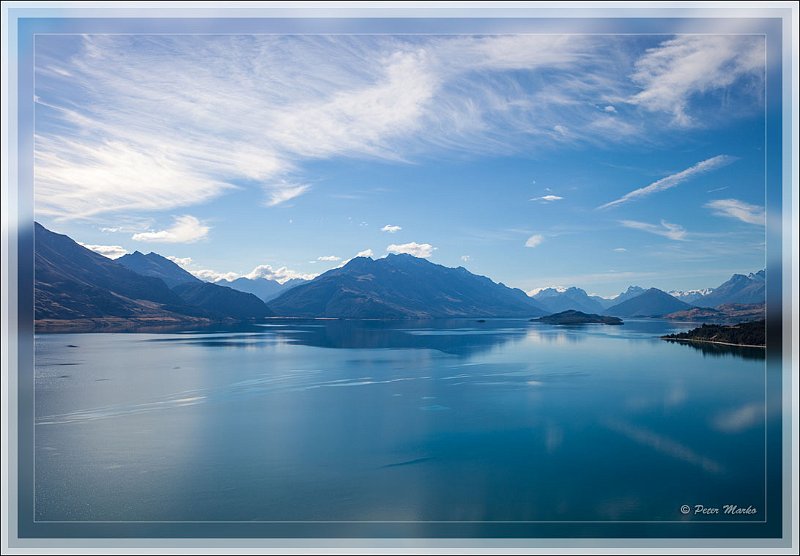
(466, 420)
(724, 350)
(454, 337)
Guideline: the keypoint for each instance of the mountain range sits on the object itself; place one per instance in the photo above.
(156, 266)
(651, 303)
(73, 283)
(556, 301)
(739, 289)
(403, 286)
(263, 288)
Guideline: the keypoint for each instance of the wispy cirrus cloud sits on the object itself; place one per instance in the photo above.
(548, 198)
(673, 180)
(145, 122)
(423, 250)
(733, 208)
(154, 122)
(110, 251)
(285, 192)
(185, 229)
(681, 68)
(674, 232)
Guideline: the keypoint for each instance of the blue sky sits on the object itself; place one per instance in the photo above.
(538, 160)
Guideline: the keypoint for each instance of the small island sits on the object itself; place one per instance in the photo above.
(577, 317)
(750, 334)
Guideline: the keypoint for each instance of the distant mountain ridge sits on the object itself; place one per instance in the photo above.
(403, 286)
(651, 303)
(690, 296)
(740, 288)
(555, 301)
(156, 266)
(263, 288)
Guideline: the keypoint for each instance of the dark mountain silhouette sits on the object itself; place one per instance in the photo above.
(651, 303)
(263, 288)
(73, 282)
(403, 287)
(738, 289)
(577, 317)
(216, 300)
(222, 302)
(555, 301)
(751, 333)
(156, 266)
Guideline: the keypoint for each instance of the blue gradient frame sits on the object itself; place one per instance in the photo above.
(778, 186)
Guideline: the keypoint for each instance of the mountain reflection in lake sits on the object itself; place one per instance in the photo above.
(502, 420)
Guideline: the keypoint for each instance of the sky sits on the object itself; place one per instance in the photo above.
(597, 161)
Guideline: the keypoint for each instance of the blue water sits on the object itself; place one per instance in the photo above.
(504, 420)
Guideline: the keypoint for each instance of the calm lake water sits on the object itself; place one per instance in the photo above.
(504, 420)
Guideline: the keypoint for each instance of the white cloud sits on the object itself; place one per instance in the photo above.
(465, 258)
(732, 208)
(110, 251)
(281, 274)
(329, 258)
(186, 229)
(671, 231)
(285, 192)
(610, 109)
(391, 229)
(183, 262)
(689, 65)
(234, 111)
(364, 253)
(534, 241)
(674, 179)
(620, 249)
(548, 198)
(254, 108)
(214, 276)
(423, 250)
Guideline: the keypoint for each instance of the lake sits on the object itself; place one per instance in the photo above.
(303, 420)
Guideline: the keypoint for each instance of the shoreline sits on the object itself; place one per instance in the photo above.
(711, 342)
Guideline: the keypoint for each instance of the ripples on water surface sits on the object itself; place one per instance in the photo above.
(419, 421)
